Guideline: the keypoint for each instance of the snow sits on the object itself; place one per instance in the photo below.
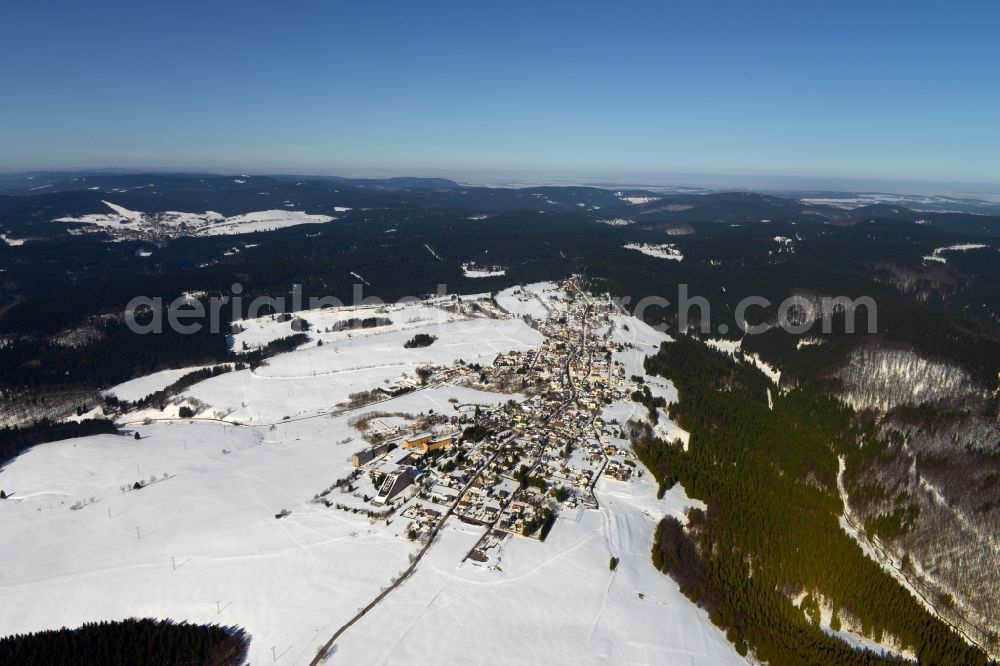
(140, 387)
(884, 378)
(438, 400)
(669, 431)
(530, 300)
(123, 212)
(732, 346)
(661, 251)
(634, 201)
(785, 244)
(433, 253)
(314, 379)
(201, 543)
(291, 582)
(725, 346)
(859, 642)
(266, 220)
(962, 247)
(558, 598)
(209, 223)
(474, 271)
(286, 581)
(809, 342)
(912, 201)
(259, 331)
(769, 370)
(880, 557)
(644, 341)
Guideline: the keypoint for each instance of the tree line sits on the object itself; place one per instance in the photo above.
(126, 643)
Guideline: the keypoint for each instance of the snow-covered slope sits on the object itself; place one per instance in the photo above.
(201, 541)
(128, 224)
(938, 254)
(551, 603)
(202, 545)
(140, 387)
(315, 379)
(883, 378)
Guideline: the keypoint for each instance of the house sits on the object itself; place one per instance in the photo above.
(418, 441)
(427, 442)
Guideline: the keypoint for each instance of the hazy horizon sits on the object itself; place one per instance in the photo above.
(790, 183)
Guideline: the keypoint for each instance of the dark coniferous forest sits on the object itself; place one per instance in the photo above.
(128, 643)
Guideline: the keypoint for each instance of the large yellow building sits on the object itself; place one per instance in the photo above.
(427, 442)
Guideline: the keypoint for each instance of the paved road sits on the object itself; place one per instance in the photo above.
(325, 648)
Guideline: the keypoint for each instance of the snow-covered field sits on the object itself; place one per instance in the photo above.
(661, 251)
(314, 379)
(202, 545)
(636, 200)
(261, 330)
(265, 220)
(645, 341)
(531, 300)
(122, 221)
(200, 542)
(551, 603)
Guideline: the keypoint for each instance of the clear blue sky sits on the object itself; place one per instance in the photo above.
(907, 90)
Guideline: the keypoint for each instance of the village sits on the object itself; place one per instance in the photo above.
(512, 468)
